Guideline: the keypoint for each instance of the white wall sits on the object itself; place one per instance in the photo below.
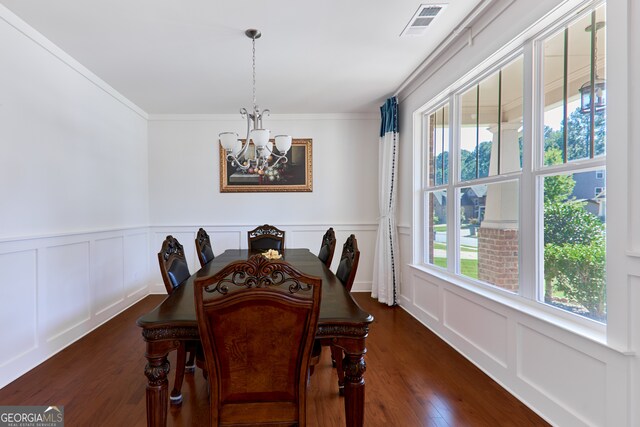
(570, 376)
(74, 200)
(82, 168)
(184, 185)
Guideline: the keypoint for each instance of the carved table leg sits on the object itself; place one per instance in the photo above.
(354, 367)
(156, 371)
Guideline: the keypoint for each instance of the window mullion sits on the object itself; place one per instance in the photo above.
(454, 178)
(531, 120)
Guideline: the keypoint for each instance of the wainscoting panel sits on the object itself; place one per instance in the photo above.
(406, 274)
(557, 370)
(64, 302)
(58, 288)
(223, 240)
(136, 264)
(107, 273)
(484, 328)
(427, 297)
(17, 308)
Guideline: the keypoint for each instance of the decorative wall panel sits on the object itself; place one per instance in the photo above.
(484, 328)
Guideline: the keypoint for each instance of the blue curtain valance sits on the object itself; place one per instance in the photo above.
(389, 113)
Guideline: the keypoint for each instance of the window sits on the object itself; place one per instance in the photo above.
(598, 191)
(489, 128)
(436, 200)
(573, 208)
(474, 144)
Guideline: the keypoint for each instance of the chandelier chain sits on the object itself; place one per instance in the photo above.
(253, 40)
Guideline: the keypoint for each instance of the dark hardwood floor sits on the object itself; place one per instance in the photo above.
(413, 379)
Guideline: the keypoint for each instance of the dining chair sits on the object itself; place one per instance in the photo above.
(175, 271)
(328, 247)
(346, 273)
(266, 237)
(203, 247)
(257, 320)
(349, 260)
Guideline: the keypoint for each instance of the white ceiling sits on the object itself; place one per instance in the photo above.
(192, 57)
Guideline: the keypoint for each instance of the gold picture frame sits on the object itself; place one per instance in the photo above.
(296, 175)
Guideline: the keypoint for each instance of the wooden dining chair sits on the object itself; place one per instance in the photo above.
(346, 273)
(349, 261)
(265, 237)
(203, 247)
(328, 247)
(257, 321)
(175, 271)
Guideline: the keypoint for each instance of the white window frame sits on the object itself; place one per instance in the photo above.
(530, 178)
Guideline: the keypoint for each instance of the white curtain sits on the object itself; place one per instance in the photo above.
(387, 260)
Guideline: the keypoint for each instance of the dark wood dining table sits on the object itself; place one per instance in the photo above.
(342, 323)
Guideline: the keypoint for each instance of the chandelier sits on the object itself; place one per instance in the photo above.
(256, 153)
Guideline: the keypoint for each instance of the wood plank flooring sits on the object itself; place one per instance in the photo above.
(413, 379)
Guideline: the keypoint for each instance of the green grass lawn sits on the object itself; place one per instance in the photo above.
(439, 245)
(469, 267)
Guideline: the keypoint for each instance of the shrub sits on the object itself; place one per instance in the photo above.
(574, 255)
(578, 270)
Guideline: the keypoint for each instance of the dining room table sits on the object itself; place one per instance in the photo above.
(342, 323)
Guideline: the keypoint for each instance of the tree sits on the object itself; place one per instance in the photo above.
(557, 188)
(442, 174)
(578, 136)
(568, 223)
(482, 153)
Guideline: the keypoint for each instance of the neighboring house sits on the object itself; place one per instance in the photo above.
(590, 187)
(473, 201)
(440, 206)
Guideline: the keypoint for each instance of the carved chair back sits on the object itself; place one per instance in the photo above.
(266, 237)
(257, 321)
(173, 264)
(328, 247)
(349, 260)
(203, 247)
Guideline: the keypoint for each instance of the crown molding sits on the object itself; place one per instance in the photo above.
(272, 117)
(25, 29)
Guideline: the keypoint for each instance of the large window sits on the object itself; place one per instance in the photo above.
(476, 187)
(572, 172)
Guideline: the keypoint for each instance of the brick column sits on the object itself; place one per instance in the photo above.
(498, 232)
(498, 257)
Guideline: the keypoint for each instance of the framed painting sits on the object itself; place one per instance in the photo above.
(294, 175)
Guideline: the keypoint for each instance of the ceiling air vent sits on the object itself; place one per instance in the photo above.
(424, 16)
